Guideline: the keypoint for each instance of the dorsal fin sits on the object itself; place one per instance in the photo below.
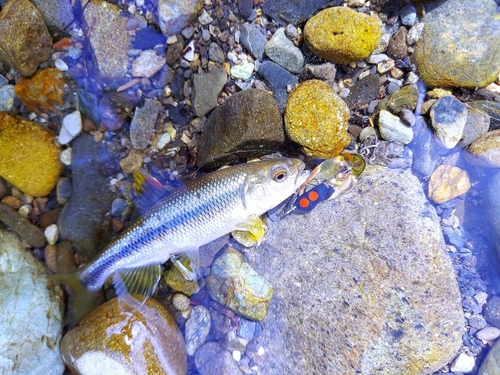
(141, 280)
(148, 190)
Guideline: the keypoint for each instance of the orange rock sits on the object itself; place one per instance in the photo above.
(137, 339)
(42, 91)
(28, 158)
(63, 44)
(447, 182)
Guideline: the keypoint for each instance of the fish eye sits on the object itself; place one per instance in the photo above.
(280, 174)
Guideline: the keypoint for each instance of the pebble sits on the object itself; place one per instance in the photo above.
(71, 127)
(485, 150)
(132, 161)
(342, 35)
(65, 157)
(143, 123)
(28, 158)
(376, 59)
(204, 18)
(488, 334)
(206, 89)
(243, 71)
(197, 328)
(477, 124)
(33, 328)
(215, 53)
(7, 98)
(245, 7)
(181, 302)
(246, 328)
(397, 48)
(163, 141)
(490, 365)
(172, 19)
(279, 79)
(61, 65)
(253, 39)
(147, 64)
(28, 43)
(213, 359)
(436, 54)
(414, 33)
(408, 15)
(491, 311)
(316, 118)
(52, 234)
(118, 206)
(385, 66)
(126, 337)
(464, 363)
(30, 233)
(282, 51)
(448, 117)
(393, 129)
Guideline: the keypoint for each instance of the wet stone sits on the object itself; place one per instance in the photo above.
(393, 129)
(279, 79)
(30, 233)
(405, 97)
(245, 7)
(408, 15)
(215, 53)
(493, 213)
(490, 364)
(454, 44)
(242, 71)
(246, 329)
(492, 109)
(172, 19)
(213, 359)
(448, 118)
(397, 45)
(363, 91)
(206, 88)
(25, 41)
(143, 123)
(253, 39)
(117, 207)
(488, 334)
(197, 328)
(477, 124)
(463, 364)
(448, 182)
(57, 15)
(282, 51)
(485, 150)
(7, 98)
(295, 13)
(147, 64)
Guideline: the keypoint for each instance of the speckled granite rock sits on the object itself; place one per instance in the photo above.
(32, 313)
(360, 284)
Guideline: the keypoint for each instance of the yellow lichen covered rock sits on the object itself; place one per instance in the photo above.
(28, 158)
(342, 35)
(316, 118)
(123, 338)
(448, 182)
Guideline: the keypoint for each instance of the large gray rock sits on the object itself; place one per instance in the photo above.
(363, 285)
(32, 313)
(58, 14)
(143, 123)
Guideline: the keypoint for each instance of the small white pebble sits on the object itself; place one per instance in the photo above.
(172, 39)
(481, 298)
(61, 65)
(66, 156)
(24, 211)
(236, 355)
(260, 351)
(163, 141)
(113, 181)
(463, 363)
(120, 176)
(52, 234)
(189, 55)
(181, 302)
(72, 126)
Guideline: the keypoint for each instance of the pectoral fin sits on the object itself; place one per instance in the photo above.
(250, 232)
(148, 190)
(142, 280)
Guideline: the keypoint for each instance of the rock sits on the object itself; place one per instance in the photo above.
(147, 64)
(143, 123)
(363, 91)
(7, 98)
(357, 284)
(283, 52)
(408, 15)
(397, 45)
(325, 72)
(248, 124)
(24, 39)
(464, 363)
(454, 44)
(213, 359)
(246, 328)
(197, 328)
(109, 40)
(42, 91)
(414, 33)
(204, 18)
(71, 127)
(295, 13)
(132, 161)
(253, 39)
(32, 313)
(245, 7)
(126, 337)
(215, 53)
(57, 15)
(114, 109)
(177, 281)
(173, 16)
(342, 35)
(491, 108)
(488, 334)
(81, 220)
(181, 302)
(235, 284)
(278, 79)
(393, 129)
(316, 118)
(448, 182)
(206, 89)
(477, 124)
(492, 313)
(51, 234)
(485, 150)
(243, 71)
(65, 257)
(448, 118)
(490, 365)
(28, 158)
(405, 97)
(30, 233)
(491, 310)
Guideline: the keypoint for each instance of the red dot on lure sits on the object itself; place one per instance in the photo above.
(304, 203)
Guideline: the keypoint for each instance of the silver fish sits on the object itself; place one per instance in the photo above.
(193, 215)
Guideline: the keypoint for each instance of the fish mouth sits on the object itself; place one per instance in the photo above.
(302, 175)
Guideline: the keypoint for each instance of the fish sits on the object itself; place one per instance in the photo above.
(202, 210)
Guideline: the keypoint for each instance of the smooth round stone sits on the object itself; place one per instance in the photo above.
(393, 129)
(342, 35)
(7, 98)
(72, 126)
(448, 116)
(28, 158)
(316, 118)
(447, 182)
(488, 334)
(463, 364)
(122, 338)
(477, 124)
(181, 302)
(408, 15)
(52, 234)
(460, 48)
(486, 150)
(213, 359)
(491, 364)
(197, 328)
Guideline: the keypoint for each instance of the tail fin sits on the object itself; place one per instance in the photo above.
(80, 302)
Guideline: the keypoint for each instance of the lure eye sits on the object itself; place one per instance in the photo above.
(280, 174)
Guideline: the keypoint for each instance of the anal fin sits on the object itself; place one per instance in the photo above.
(251, 232)
(141, 280)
